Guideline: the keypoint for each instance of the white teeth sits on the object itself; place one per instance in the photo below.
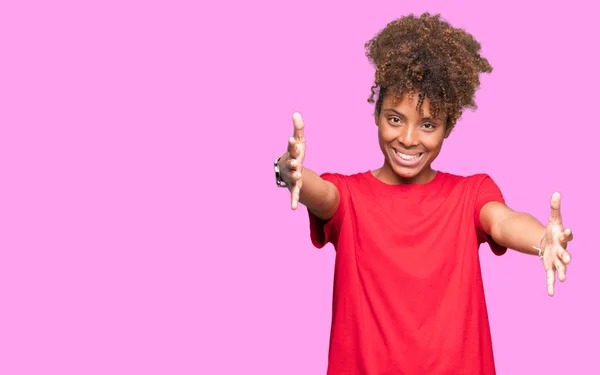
(408, 157)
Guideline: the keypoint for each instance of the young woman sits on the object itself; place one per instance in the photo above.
(408, 294)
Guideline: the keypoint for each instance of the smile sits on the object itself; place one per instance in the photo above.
(407, 160)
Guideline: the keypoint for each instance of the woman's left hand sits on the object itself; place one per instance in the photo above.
(554, 246)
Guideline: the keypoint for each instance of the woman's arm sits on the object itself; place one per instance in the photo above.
(515, 230)
(522, 232)
(307, 187)
(319, 196)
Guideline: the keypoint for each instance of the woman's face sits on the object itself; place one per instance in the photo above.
(409, 142)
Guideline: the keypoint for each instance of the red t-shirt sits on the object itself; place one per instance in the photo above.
(408, 296)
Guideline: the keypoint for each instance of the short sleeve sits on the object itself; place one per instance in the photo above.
(327, 231)
(487, 191)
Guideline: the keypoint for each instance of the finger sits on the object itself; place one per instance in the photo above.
(298, 126)
(296, 195)
(558, 240)
(566, 236)
(293, 196)
(292, 164)
(296, 176)
(563, 240)
(561, 270)
(293, 148)
(555, 216)
(550, 281)
(564, 256)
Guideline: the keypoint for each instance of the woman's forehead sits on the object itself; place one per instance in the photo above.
(408, 104)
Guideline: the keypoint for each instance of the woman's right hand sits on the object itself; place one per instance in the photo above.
(291, 164)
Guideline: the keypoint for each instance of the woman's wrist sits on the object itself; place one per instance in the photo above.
(540, 247)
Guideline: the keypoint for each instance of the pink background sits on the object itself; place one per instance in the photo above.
(141, 231)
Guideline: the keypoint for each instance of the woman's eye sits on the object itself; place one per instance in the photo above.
(429, 126)
(394, 120)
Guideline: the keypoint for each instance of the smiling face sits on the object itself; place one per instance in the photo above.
(410, 142)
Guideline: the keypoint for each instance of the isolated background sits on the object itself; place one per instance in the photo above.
(141, 231)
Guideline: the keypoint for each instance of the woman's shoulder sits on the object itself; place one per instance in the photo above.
(346, 176)
(469, 184)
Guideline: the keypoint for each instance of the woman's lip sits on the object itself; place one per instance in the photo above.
(407, 160)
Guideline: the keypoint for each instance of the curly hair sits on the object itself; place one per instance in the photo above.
(427, 55)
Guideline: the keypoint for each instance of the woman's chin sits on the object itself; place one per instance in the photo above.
(406, 173)
(417, 174)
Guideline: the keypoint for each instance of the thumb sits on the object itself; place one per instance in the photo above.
(555, 215)
(298, 126)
